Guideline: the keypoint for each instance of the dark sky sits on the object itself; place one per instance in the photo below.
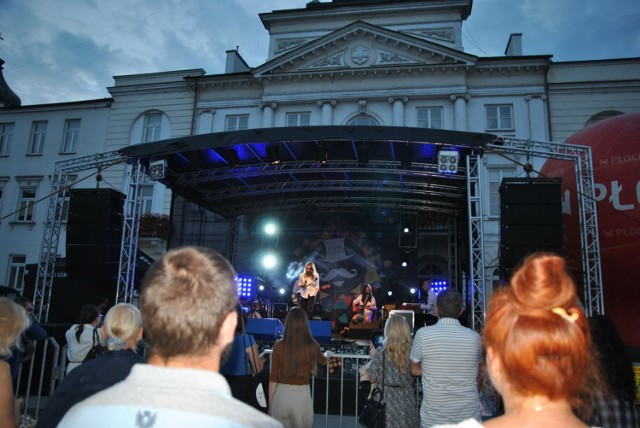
(69, 50)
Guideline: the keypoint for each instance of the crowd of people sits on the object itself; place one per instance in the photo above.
(539, 362)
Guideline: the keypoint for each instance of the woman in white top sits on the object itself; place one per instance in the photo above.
(80, 336)
(307, 286)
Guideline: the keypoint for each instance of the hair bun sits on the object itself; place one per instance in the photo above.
(542, 282)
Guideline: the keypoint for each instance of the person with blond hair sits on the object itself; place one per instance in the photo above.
(307, 287)
(538, 347)
(188, 305)
(122, 327)
(13, 321)
(294, 361)
(399, 391)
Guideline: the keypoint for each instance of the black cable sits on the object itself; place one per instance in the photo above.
(555, 180)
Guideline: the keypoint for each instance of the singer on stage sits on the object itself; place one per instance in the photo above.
(307, 287)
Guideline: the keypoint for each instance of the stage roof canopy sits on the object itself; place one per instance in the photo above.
(324, 168)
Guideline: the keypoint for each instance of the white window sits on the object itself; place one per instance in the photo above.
(71, 135)
(152, 127)
(430, 117)
(38, 134)
(500, 118)
(6, 135)
(495, 178)
(17, 268)
(363, 121)
(236, 122)
(299, 119)
(147, 198)
(65, 204)
(26, 204)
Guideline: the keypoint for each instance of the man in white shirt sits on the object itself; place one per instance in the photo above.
(447, 356)
(188, 308)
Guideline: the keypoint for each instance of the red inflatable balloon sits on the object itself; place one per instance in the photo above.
(615, 145)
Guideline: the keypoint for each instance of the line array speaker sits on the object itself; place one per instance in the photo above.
(530, 219)
(94, 232)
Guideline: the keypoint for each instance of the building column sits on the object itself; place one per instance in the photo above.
(460, 111)
(268, 114)
(537, 127)
(205, 121)
(397, 113)
(327, 111)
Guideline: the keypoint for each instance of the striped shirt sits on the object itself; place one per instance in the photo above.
(450, 356)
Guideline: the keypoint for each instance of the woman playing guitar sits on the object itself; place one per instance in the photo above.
(364, 306)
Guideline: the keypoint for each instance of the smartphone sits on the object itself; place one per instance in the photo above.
(377, 338)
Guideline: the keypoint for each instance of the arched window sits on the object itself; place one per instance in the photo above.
(602, 116)
(363, 121)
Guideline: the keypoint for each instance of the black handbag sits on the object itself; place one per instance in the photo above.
(373, 412)
(96, 349)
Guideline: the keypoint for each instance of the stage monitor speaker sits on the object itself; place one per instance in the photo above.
(264, 329)
(409, 316)
(321, 330)
(94, 233)
(363, 330)
(530, 219)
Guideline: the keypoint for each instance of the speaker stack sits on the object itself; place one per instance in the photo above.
(94, 237)
(530, 219)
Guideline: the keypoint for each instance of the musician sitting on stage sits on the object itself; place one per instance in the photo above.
(364, 306)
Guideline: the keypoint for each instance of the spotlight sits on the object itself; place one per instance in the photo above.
(448, 162)
(269, 261)
(412, 291)
(322, 153)
(245, 287)
(404, 264)
(281, 291)
(261, 287)
(158, 169)
(406, 229)
(389, 293)
(270, 229)
(273, 154)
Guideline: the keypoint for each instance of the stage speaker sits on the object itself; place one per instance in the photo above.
(264, 329)
(530, 219)
(363, 330)
(320, 330)
(94, 233)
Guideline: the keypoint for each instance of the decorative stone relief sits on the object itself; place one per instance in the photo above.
(444, 34)
(359, 54)
(286, 44)
(391, 58)
(332, 61)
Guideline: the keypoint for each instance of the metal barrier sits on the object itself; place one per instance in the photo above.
(350, 365)
(48, 365)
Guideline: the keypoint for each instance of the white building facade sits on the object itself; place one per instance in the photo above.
(336, 63)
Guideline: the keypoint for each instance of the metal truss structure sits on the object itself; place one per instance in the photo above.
(51, 234)
(474, 285)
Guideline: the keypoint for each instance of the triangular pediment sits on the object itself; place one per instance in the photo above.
(362, 45)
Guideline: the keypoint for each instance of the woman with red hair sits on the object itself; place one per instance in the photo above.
(538, 347)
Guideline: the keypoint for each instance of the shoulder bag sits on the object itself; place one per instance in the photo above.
(373, 412)
(96, 349)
